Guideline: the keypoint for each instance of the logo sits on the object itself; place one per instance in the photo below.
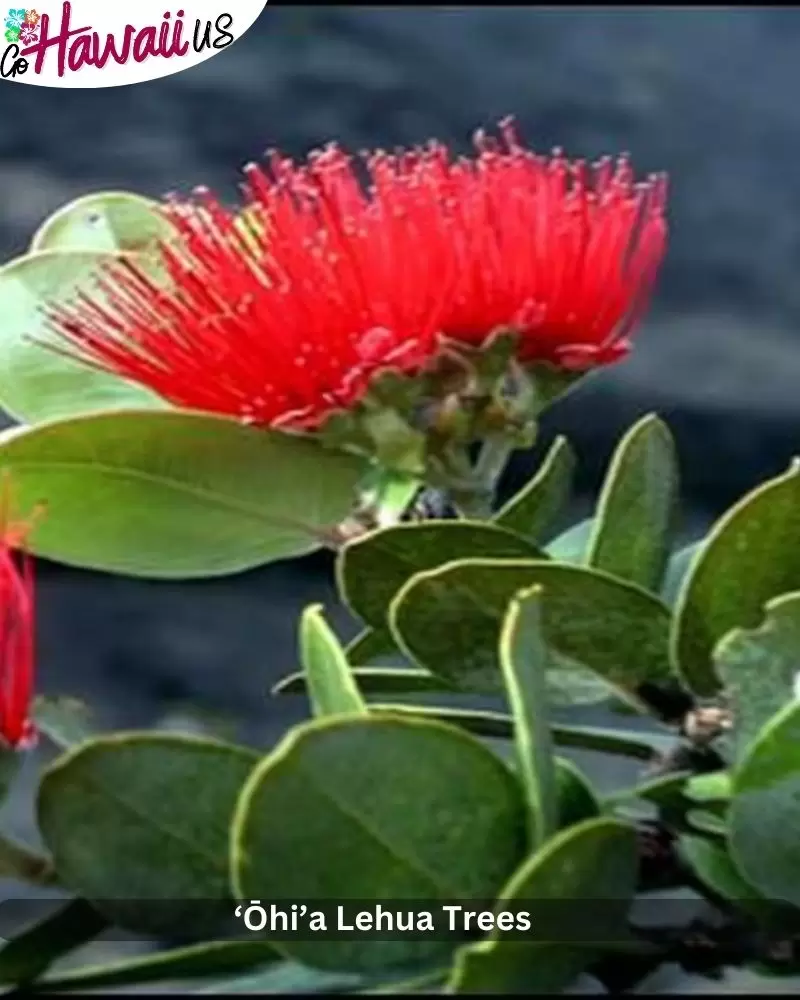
(94, 43)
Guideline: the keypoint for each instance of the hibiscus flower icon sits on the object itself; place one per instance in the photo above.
(32, 18)
(28, 35)
(15, 20)
(12, 34)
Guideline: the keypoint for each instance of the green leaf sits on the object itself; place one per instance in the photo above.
(750, 557)
(635, 515)
(712, 864)
(764, 816)
(64, 721)
(174, 495)
(371, 570)
(376, 808)
(375, 680)
(533, 510)
(712, 787)
(369, 645)
(587, 870)
(509, 968)
(708, 822)
(448, 620)
(572, 546)
(524, 662)
(160, 802)
(211, 958)
(106, 221)
(36, 383)
(758, 668)
(28, 955)
(390, 494)
(331, 685)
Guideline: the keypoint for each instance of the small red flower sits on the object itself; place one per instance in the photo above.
(17, 624)
(564, 253)
(280, 314)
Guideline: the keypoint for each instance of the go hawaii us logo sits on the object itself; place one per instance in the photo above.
(92, 43)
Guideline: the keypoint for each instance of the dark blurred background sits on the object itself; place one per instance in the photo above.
(710, 95)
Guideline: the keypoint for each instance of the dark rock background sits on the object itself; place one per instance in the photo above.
(710, 95)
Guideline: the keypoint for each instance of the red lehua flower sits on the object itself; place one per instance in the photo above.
(17, 624)
(283, 314)
(563, 253)
(281, 318)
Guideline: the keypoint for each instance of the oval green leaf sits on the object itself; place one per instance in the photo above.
(635, 515)
(538, 504)
(174, 495)
(374, 809)
(371, 570)
(709, 822)
(139, 825)
(758, 668)
(106, 221)
(764, 816)
(576, 892)
(712, 863)
(37, 383)
(712, 788)
(750, 557)
(332, 689)
(448, 620)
